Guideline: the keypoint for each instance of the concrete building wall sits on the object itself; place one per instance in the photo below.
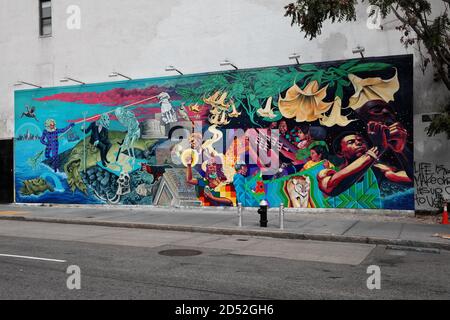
(140, 38)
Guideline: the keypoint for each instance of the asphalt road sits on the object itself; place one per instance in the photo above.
(126, 264)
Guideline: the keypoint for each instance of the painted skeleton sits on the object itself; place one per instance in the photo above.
(129, 121)
(123, 188)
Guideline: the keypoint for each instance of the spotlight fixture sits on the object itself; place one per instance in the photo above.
(172, 68)
(359, 50)
(228, 63)
(19, 83)
(117, 74)
(295, 56)
(67, 79)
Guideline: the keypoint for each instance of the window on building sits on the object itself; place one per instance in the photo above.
(45, 14)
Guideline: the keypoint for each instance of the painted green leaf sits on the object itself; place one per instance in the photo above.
(340, 72)
(308, 67)
(344, 83)
(255, 103)
(349, 64)
(369, 67)
(237, 91)
(298, 77)
(318, 76)
(339, 91)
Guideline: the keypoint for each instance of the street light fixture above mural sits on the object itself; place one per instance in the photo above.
(67, 79)
(228, 63)
(359, 50)
(19, 83)
(172, 68)
(296, 57)
(118, 74)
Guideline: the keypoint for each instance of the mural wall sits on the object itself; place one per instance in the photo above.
(323, 135)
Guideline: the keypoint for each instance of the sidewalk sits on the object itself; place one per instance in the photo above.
(337, 226)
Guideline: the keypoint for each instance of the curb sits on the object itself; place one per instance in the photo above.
(241, 232)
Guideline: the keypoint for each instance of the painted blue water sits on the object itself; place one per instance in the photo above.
(400, 201)
(62, 194)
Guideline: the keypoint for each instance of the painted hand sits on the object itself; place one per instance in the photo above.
(383, 168)
(96, 143)
(379, 135)
(397, 137)
(208, 193)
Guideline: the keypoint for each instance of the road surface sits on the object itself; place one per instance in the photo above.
(118, 263)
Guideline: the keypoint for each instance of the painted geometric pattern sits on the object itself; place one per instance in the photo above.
(226, 191)
(362, 195)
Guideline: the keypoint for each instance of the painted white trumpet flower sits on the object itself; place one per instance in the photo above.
(267, 112)
(234, 113)
(336, 118)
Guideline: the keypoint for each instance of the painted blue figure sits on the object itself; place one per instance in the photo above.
(50, 140)
(241, 186)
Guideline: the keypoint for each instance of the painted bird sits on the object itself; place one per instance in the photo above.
(30, 113)
(183, 113)
(195, 108)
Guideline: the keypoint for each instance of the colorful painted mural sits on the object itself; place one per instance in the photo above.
(322, 135)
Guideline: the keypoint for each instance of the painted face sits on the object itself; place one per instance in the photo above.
(377, 111)
(315, 156)
(212, 170)
(283, 127)
(353, 147)
(52, 125)
(302, 135)
(243, 171)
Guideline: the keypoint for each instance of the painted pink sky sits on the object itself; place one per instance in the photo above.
(121, 97)
(110, 98)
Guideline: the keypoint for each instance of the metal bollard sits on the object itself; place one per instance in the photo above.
(281, 216)
(240, 215)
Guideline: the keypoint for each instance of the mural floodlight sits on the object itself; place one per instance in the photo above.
(172, 68)
(118, 74)
(19, 83)
(359, 50)
(67, 79)
(228, 63)
(295, 56)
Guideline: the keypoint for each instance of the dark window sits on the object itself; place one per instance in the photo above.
(45, 17)
(426, 118)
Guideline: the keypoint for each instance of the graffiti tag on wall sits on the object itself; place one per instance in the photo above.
(432, 184)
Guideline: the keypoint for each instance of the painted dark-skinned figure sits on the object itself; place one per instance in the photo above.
(241, 185)
(100, 136)
(318, 155)
(373, 103)
(361, 163)
(50, 138)
(381, 112)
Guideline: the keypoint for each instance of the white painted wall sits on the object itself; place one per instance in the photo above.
(141, 37)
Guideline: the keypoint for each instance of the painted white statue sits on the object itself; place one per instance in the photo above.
(168, 114)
